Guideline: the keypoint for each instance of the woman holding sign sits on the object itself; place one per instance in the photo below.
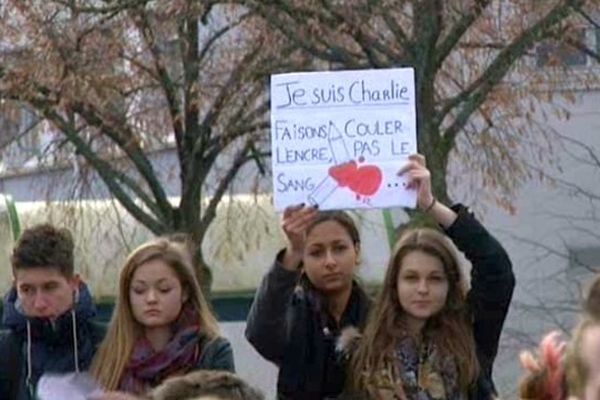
(305, 299)
(427, 336)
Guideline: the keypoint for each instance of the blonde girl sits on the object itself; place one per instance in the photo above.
(161, 326)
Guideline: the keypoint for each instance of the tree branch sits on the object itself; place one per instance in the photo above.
(107, 173)
(108, 9)
(211, 210)
(458, 31)
(126, 142)
(477, 92)
(168, 86)
(294, 24)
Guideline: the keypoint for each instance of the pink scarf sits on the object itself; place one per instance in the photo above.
(148, 368)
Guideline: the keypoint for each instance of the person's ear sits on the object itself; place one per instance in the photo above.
(358, 254)
(185, 295)
(74, 283)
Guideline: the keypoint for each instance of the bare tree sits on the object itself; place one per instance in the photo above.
(119, 80)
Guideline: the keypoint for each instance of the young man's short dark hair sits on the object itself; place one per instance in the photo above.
(44, 246)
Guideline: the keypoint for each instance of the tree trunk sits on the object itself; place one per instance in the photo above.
(429, 138)
(203, 271)
(193, 240)
(438, 164)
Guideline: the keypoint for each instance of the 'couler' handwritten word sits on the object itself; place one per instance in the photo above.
(354, 128)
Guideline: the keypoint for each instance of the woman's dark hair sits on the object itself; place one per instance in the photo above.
(44, 246)
(342, 218)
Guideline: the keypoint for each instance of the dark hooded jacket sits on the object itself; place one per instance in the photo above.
(32, 346)
(287, 325)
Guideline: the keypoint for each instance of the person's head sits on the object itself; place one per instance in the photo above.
(205, 384)
(424, 292)
(423, 278)
(556, 374)
(155, 283)
(583, 353)
(583, 361)
(42, 265)
(544, 372)
(331, 251)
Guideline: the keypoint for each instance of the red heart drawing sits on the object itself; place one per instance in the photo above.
(364, 180)
(343, 173)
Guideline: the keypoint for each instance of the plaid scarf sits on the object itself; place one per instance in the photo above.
(147, 368)
(416, 372)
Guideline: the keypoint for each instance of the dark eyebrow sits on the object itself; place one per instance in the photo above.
(339, 241)
(161, 280)
(405, 272)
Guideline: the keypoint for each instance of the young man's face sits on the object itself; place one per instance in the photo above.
(45, 292)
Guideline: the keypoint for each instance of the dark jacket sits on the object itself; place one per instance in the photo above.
(492, 285)
(51, 345)
(287, 325)
(216, 355)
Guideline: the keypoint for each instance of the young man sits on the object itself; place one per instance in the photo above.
(47, 313)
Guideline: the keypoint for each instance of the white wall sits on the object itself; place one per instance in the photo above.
(248, 363)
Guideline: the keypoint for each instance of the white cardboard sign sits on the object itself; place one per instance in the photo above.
(339, 138)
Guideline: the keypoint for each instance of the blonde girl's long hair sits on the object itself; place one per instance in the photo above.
(450, 329)
(123, 331)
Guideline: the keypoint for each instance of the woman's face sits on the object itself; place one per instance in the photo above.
(422, 287)
(330, 257)
(155, 294)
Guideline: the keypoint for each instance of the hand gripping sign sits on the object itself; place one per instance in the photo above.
(339, 138)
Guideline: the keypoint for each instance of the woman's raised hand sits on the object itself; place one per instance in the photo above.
(294, 222)
(419, 178)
